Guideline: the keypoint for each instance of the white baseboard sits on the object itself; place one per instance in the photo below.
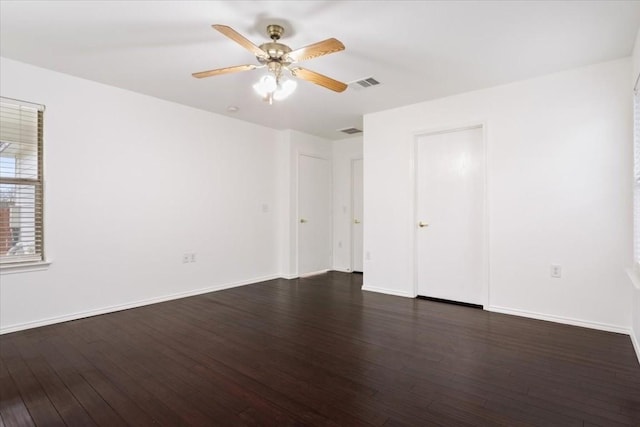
(636, 344)
(313, 273)
(387, 291)
(120, 307)
(288, 276)
(560, 319)
(634, 276)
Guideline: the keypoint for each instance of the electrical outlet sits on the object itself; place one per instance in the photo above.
(192, 257)
(556, 271)
(185, 258)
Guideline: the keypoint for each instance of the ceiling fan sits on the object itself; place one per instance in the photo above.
(278, 57)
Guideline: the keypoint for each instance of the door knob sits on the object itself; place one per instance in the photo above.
(356, 221)
(302, 220)
(422, 224)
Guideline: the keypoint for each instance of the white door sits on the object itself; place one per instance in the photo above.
(357, 220)
(450, 215)
(314, 215)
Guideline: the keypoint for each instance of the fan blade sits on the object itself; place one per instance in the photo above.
(227, 70)
(314, 50)
(241, 40)
(319, 79)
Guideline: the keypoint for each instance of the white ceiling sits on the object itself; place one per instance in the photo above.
(418, 50)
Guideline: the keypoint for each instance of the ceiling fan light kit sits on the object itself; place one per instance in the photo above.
(278, 57)
(269, 88)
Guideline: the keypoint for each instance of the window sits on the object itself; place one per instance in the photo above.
(21, 234)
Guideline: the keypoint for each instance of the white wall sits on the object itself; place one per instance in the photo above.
(344, 152)
(559, 150)
(133, 182)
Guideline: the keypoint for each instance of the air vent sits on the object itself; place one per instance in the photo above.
(368, 82)
(350, 131)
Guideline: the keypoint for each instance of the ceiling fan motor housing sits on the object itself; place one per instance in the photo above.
(276, 51)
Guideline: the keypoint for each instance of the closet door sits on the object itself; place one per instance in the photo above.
(450, 215)
(314, 215)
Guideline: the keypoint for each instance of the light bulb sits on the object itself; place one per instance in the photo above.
(270, 83)
(285, 90)
(265, 85)
(259, 90)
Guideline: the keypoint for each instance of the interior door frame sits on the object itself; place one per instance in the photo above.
(353, 160)
(297, 217)
(485, 292)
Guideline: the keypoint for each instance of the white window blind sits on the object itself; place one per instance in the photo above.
(21, 192)
(636, 178)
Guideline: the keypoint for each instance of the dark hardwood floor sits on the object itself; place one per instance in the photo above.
(315, 351)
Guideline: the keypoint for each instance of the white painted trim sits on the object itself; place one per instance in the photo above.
(487, 217)
(448, 128)
(24, 267)
(120, 307)
(635, 277)
(288, 276)
(351, 215)
(387, 291)
(313, 273)
(636, 345)
(344, 270)
(560, 319)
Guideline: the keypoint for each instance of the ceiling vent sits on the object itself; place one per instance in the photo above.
(368, 82)
(350, 131)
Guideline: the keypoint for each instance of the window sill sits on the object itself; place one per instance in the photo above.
(634, 275)
(24, 267)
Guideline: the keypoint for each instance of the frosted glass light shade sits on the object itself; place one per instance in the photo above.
(265, 85)
(285, 90)
(270, 89)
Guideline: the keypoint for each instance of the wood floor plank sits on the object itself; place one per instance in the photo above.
(316, 351)
(35, 399)
(244, 362)
(115, 398)
(70, 410)
(13, 411)
(163, 415)
(99, 410)
(178, 373)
